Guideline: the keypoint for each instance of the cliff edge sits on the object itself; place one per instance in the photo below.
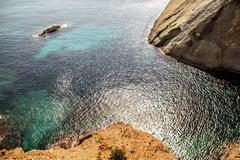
(203, 33)
(117, 142)
(232, 152)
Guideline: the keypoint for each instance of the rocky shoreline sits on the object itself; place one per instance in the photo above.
(202, 33)
(117, 141)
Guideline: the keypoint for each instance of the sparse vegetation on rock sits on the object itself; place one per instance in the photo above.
(117, 142)
(117, 154)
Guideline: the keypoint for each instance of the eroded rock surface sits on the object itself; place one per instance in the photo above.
(72, 140)
(204, 33)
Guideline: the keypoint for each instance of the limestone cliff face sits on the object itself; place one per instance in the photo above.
(204, 33)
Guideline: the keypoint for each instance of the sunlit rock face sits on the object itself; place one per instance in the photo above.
(118, 140)
(204, 33)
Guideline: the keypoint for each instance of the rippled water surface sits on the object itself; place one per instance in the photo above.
(100, 70)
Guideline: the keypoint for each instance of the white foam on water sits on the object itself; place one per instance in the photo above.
(35, 35)
(65, 25)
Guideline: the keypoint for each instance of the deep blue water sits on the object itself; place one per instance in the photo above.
(100, 70)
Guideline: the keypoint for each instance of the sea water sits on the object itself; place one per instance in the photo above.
(99, 70)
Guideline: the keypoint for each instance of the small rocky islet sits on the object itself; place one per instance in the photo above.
(49, 30)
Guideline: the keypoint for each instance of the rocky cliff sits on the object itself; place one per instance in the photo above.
(117, 142)
(231, 153)
(203, 33)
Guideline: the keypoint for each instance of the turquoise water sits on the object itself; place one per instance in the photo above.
(82, 38)
(7, 77)
(100, 70)
(40, 114)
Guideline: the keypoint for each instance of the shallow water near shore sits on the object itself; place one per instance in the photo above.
(100, 70)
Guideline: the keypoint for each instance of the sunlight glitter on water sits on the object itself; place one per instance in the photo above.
(101, 70)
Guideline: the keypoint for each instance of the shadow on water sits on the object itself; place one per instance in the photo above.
(231, 77)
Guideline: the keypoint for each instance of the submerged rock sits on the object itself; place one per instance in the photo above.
(49, 30)
(203, 33)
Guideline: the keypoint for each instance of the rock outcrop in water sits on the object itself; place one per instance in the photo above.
(49, 30)
(203, 33)
(116, 142)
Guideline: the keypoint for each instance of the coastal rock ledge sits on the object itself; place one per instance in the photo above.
(203, 33)
(117, 142)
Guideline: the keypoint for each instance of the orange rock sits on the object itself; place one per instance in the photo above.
(134, 144)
